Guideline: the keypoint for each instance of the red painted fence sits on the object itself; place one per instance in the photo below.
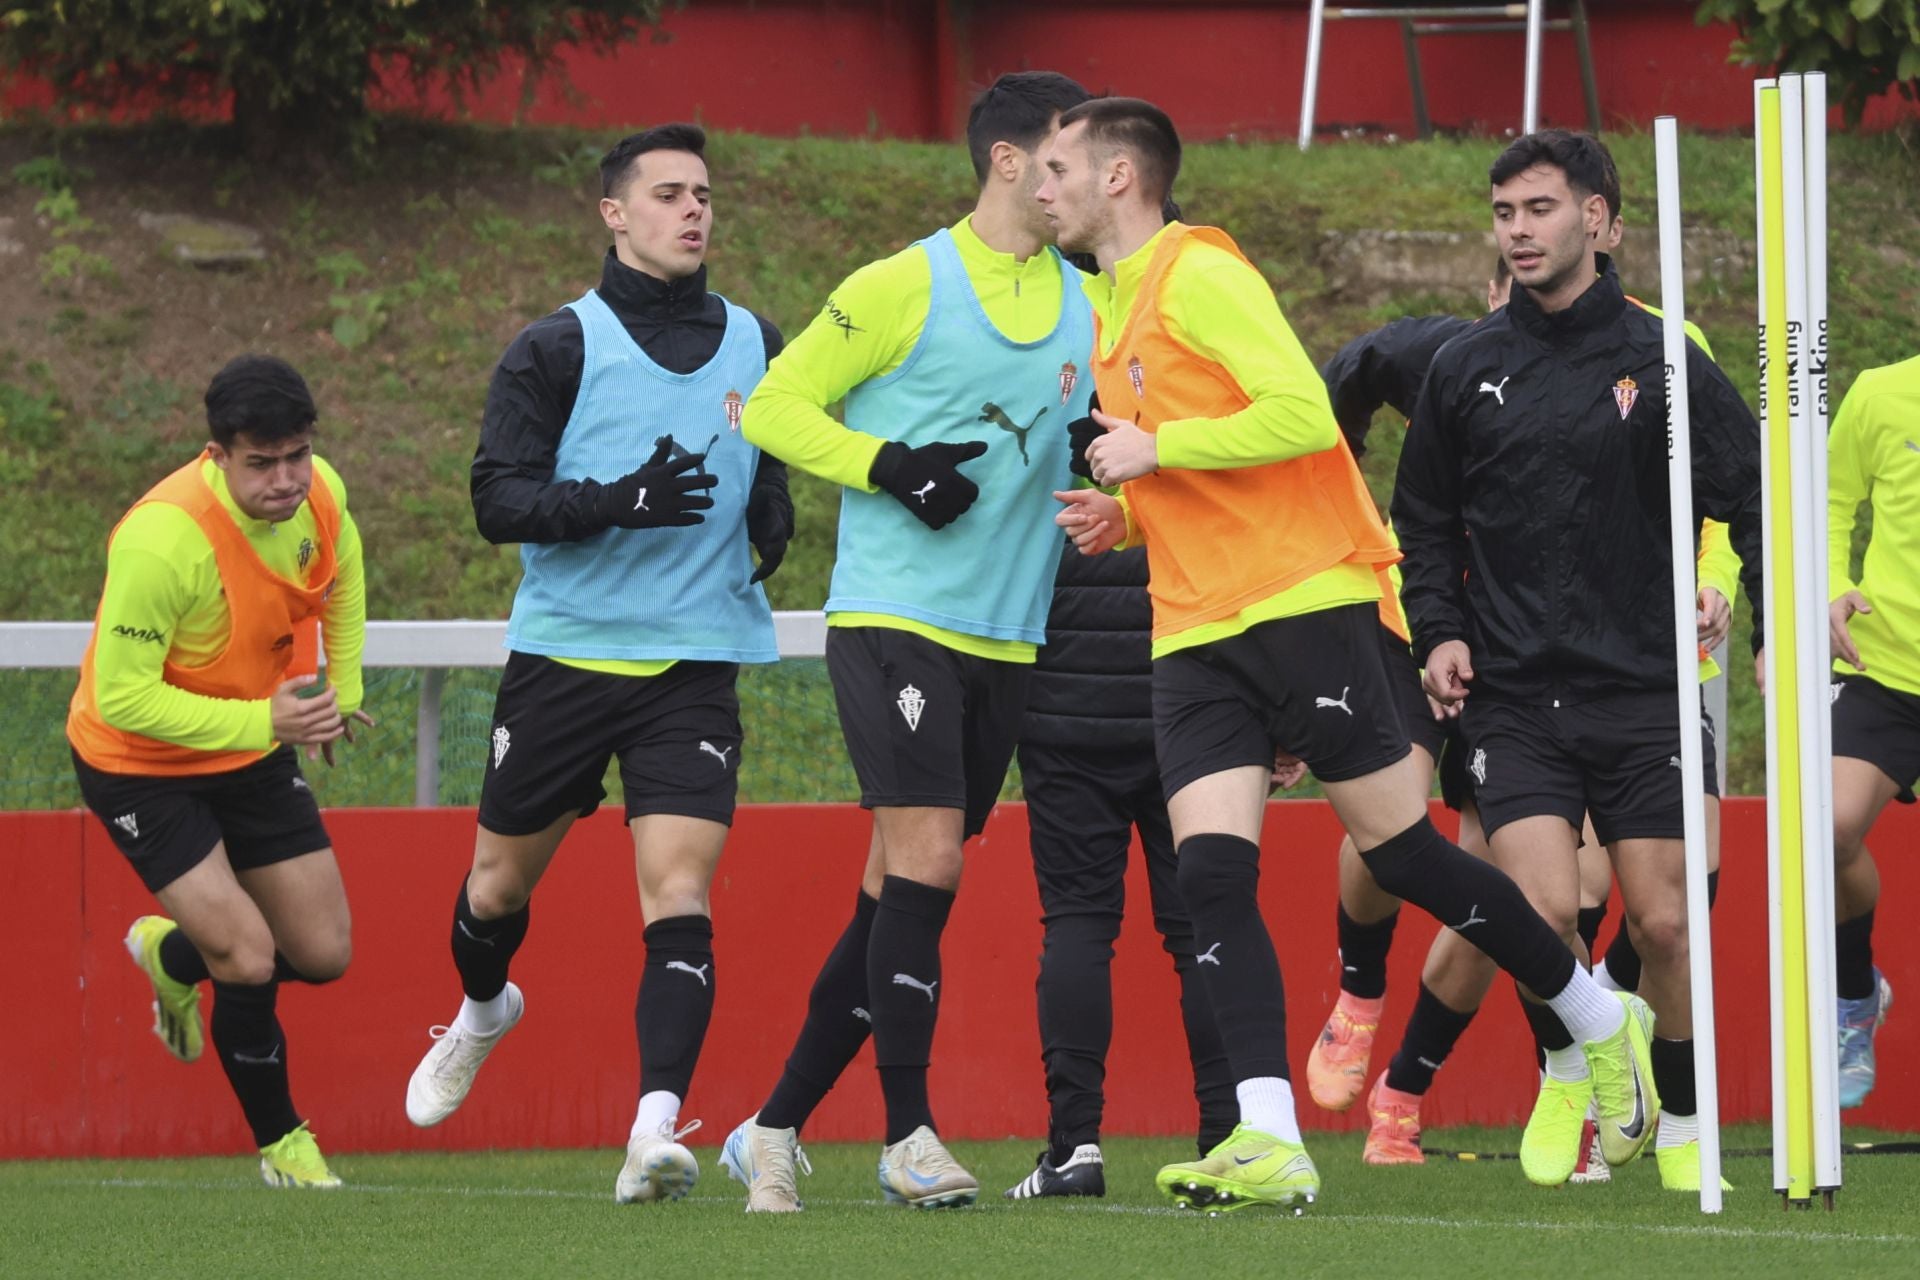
(1222, 68)
(83, 1076)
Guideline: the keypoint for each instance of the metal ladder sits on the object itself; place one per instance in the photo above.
(1459, 19)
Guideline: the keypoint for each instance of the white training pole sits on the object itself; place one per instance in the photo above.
(1686, 651)
(1823, 1028)
(1776, 973)
(1316, 21)
(1530, 110)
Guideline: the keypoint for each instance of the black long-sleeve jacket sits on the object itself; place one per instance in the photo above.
(1093, 679)
(515, 497)
(1386, 367)
(1531, 500)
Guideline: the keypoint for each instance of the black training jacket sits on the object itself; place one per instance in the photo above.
(515, 497)
(1531, 501)
(1386, 367)
(1093, 683)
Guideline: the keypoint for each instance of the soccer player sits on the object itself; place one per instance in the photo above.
(1875, 623)
(611, 451)
(196, 687)
(1264, 548)
(1530, 503)
(967, 348)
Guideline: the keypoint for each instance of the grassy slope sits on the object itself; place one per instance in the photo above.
(457, 237)
(527, 1213)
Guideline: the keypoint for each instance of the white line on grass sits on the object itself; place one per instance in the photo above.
(1704, 1230)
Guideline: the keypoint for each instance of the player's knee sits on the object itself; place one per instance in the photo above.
(329, 961)
(1216, 868)
(245, 958)
(1661, 936)
(1395, 863)
(493, 897)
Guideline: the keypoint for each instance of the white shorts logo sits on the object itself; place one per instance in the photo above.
(1833, 692)
(911, 704)
(1479, 766)
(501, 741)
(129, 824)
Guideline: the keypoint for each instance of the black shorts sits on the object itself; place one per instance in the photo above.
(1317, 685)
(677, 736)
(926, 726)
(1879, 725)
(166, 826)
(1613, 758)
(1403, 669)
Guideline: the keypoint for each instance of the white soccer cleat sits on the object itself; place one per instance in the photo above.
(919, 1171)
(657, 1167)
(440, 1083)
(764, 1161)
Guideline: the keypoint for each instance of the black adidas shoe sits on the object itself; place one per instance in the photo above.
(1084, 1174)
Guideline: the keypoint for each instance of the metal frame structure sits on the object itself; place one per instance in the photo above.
(1456, 19)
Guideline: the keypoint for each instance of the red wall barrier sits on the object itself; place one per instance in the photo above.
(89, 1079)
(1223, 68)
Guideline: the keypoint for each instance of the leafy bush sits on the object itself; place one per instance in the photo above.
(1864, 46)
(297, 72)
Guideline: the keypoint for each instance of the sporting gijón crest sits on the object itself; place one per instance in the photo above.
(1625, 393)
(733, 404)
(1069, 375)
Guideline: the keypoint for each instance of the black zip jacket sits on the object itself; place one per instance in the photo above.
(1386, 367)
(1093, 679)
(515, 497)
(1531, 501)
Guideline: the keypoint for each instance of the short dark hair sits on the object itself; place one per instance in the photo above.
(616, 167)
(1583, 158)
(1019, 108)
(263, 396)
(1138, 128)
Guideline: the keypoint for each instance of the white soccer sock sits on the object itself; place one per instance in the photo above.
(1568, 1065)
(1589, 1010)
(1676, 1131)
(1266, 1104)
(483, 1017)
(657, 1110)
(1605, 979)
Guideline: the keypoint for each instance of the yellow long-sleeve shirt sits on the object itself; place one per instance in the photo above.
(867, 329)
(1873, 455)
(163, 602)
(1212, 303)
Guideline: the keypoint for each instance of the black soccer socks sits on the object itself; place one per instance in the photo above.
(903, 986)
(838, 1023)
(1363, 953)
(675, 1003)
(1220, 879)
(253, 1053)
(1853, 957)
(1673, 1076)
(1432, 1031)
(483, 948)
(180, 959)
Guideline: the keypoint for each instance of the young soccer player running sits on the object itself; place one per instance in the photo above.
(1531, 503)
(1872, 457)
(1264, 549)
(967, 348)
(196, 687)
(611, 451)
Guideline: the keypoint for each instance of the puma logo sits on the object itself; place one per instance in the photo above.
(991, 412)
(718, 753)
(1207, 956)
(271, 1060)
(1499, 392)
(640, 501)
(925, 489)
(462, 925)
(1340, 702)
(863, 1015)
(684, 967)
(908, 980)
(1473, 918)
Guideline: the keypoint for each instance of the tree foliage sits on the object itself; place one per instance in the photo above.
(1864, 46)
(297, 70)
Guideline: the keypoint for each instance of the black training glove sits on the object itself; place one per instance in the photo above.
(1082, 432)
(769, 525)
(927, 480)
(660, 494)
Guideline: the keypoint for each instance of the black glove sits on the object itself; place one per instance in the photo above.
(927, 480)
(660, 494)
(769, 525)
(1082, 432)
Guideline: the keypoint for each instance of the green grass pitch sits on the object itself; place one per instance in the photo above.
(552, 1214)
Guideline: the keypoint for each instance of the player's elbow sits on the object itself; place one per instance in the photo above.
(123, 705)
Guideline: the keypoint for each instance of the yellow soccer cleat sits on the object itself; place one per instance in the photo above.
(1550, 1146)
(1623, 1088)
(295, 1161)
(1249, 1168)
(1680, 1167)
(176, 1005)
(1337, 1066)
